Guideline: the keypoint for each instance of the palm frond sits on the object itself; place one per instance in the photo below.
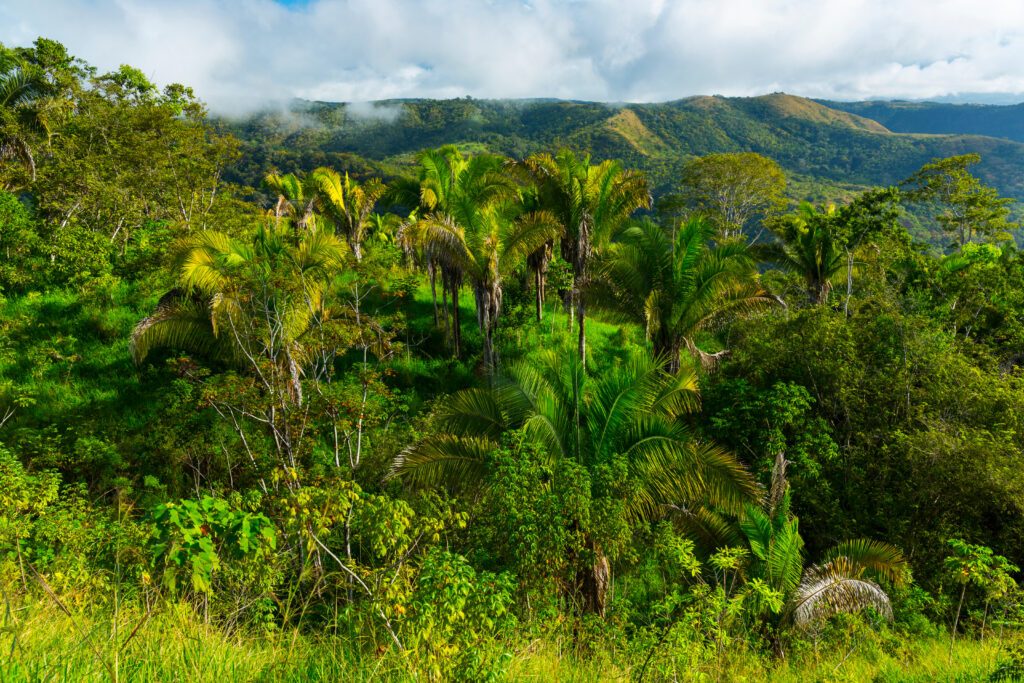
(708, 528)
(871, 558)
(456, 462)
(179, 322)
(830, 589)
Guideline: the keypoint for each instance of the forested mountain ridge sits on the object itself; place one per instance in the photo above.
(828, 148)
(900, 116)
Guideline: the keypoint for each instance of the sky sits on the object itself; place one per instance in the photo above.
(242, 54)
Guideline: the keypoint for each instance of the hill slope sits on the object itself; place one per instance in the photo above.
(822, 146)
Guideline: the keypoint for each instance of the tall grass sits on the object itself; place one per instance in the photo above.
(39, 642)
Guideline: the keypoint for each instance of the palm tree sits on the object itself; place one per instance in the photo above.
(537, 261)
(347, 204)
(458, 197)
(28, 110)
(631, 413)
(676, 285)
(843, 581)
(249, 303)
(297, 198)
(810, 246)
(484, 246)
(590, 203)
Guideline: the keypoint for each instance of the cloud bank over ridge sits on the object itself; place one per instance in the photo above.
(239, 55)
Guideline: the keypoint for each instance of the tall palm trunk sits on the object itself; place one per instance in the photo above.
(456, 321)
(488, 310)
(433, 290)
(670, 347)
(819, 291)
(538, 262)
(581, 311)
(539, 283)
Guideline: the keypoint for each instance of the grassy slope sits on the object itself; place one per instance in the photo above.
(172, 644)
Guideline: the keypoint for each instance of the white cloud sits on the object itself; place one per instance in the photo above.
(241, 54)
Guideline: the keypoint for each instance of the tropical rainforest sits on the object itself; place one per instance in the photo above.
(720, 389)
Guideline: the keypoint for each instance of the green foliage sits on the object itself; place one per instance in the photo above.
(458, 616)
(734, 191)
(351, 500)
(758, 424)
(532, 519)
(192, 538)
(18, 241)
(969, 208)
(676, 285)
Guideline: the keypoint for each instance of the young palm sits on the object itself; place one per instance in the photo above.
(347, 204)
(677, 285)
(297, 199)
(845, 580)
(809, 245)
(631, 413)
(590, 202)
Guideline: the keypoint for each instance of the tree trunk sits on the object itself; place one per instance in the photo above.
(582, 346)
(674, 358)
(456, 324)
(433, 290)
(819, 292)
(594, 582)
(444, 310)
(956, 621)
(539, 283)
(849, 283)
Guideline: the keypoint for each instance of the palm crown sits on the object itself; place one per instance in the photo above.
(676, 285)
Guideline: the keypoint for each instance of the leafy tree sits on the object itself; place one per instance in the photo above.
(676, 285)
(733, 190)
(969, 208)
(978, 566)
(39, 87)
(127, 165)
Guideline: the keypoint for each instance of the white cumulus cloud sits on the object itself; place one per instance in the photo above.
(238, 55)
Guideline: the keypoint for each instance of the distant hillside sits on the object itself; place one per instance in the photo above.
(829, 151)
(998, 121)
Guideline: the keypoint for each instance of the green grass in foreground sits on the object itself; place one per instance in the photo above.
(38, 642)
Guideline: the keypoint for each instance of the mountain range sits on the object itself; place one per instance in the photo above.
(829, 149)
